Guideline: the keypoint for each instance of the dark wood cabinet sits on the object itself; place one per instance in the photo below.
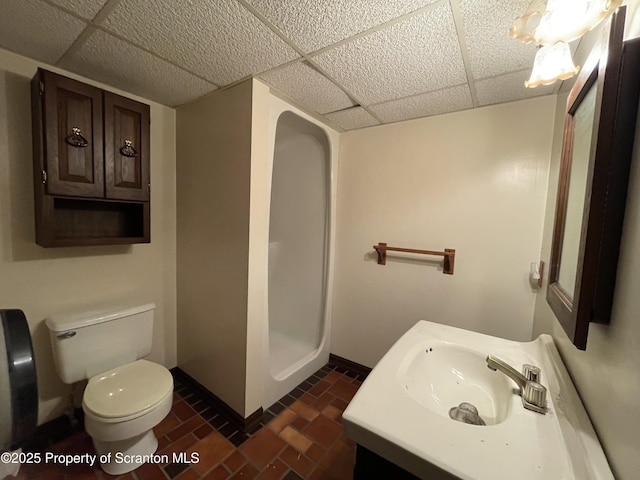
(91, 164)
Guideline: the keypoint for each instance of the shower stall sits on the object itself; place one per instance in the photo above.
(256, 190)
(301, 226)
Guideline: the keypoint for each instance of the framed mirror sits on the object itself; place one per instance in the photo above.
(592, 189)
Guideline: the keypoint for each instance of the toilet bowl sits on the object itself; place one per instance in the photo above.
(121, 407)
(125, 396)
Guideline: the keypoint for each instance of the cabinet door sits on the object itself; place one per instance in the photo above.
(126, 136)
(73, 137)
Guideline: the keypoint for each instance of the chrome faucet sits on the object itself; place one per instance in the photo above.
(534, 395)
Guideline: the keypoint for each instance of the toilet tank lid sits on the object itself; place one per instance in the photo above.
(69, 321)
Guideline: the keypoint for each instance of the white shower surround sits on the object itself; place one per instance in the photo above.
(275, 386)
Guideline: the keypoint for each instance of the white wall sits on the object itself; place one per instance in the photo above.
(474, 181)
(606, 374)
(43, 281)
(213, 182)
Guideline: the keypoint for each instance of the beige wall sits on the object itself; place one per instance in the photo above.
(213, 182)
(44, 281)
(474, 181)
(606, 374)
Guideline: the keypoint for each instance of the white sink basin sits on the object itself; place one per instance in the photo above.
(440, 376)
(401, 412)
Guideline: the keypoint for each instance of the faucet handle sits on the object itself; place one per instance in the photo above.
(531, 372)
(534, 397)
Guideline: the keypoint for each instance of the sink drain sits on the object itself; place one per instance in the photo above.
(466, 413)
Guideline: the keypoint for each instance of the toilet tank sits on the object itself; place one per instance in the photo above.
(86, 344)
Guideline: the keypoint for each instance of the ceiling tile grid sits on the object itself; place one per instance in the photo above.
(306, 85)
(312, 24)
(399, 59)
(352, 118)
(112, 61)
(509, 87)
(414, 56)
(486, 27)
(37, 30)
(219, 40)
(87, 9)
(425, 105)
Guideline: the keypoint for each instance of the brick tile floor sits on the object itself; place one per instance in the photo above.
(301, 438)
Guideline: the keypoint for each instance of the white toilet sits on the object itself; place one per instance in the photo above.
(125, 396)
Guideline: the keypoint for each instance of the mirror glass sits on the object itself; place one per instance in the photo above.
(583, 127)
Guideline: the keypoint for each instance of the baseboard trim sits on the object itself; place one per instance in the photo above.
(248, 425)
(349, 365)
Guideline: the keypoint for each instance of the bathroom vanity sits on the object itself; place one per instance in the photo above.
(400, 417)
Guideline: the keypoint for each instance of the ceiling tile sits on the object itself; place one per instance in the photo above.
(351, 118)
(110, 60)
(85, 8)
(425, 105)
(417, 55)
(308, 86)
(218, 40)
(311, 25)
(38, 30)
(486, 27)
(507, 88)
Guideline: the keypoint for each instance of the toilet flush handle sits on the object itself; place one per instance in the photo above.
(65, 335)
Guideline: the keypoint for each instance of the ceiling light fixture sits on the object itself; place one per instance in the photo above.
(552, 24)
(553, 62)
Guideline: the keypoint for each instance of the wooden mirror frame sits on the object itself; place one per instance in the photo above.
(616, 77)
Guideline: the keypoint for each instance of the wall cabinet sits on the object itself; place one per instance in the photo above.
(91, 164)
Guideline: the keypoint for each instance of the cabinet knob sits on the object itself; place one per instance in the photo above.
(75, 138)
(127, 150)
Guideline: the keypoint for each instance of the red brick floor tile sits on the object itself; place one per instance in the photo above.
(149, 471)
(304, 410)
(298, 462)
(344, 390)
(283, 419)
(296, 439)
(331, 412)
(323, 431)
(180, 446)
(319, 388)
(262, 447)
(218, 473)
(191, 424)
(163, 442)
(170, 422)
(339, 460)
(273, 471)
(188, 474)
(248, 472)
(332, 376)
(182, 410)
(299, 423)
(234, 461)
(315, 447)
(340, 403)
(323, 400)
(211, 450)
(315, 452)
(203, 431)
(320, 474)
(307, 398)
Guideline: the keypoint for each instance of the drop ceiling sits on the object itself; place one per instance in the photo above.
(356, 63)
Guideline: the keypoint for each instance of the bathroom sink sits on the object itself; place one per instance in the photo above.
(402, 411)
(441, 376)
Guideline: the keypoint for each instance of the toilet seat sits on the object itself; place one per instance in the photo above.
(128, 391)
